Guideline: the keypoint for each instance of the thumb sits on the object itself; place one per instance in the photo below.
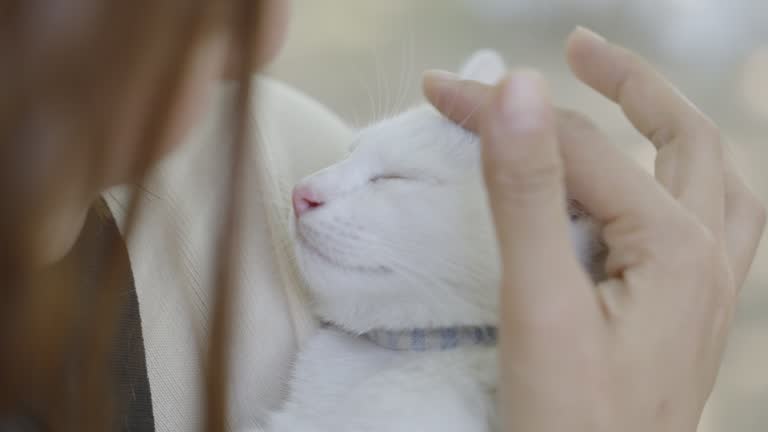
(524, 177)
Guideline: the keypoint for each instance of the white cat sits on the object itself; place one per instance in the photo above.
(398, 250)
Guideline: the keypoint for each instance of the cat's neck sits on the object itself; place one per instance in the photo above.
(358, 317)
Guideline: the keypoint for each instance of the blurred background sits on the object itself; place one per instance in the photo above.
(364, 59)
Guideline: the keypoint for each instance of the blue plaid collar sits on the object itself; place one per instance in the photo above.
(437, 339)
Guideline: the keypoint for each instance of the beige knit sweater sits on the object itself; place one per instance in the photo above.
(172, 250)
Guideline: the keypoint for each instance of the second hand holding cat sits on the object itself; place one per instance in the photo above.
(639, 351)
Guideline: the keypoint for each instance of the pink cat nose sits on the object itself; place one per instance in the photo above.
(304, 200)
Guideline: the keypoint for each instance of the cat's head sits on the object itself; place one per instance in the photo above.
(398, 234)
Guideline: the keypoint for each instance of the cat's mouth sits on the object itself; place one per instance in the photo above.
(318, 252)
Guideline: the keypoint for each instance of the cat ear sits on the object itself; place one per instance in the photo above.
(486, 66)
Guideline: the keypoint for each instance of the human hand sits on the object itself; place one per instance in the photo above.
(639, 351)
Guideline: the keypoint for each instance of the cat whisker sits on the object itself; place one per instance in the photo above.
(361, 81)
(388, 108)
(413, 274)
(447, 260)
(400, 82)
(405, 70)
(411, 60)
(372, 102)
(379, 86)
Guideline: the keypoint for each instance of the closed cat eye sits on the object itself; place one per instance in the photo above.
(379, 178)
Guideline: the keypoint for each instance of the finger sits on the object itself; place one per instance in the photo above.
(524, 178)
(603, 189)
(609, 184)
(744, 215)
(639, 215)
(601, 177)
(460, 100)
(690, 162)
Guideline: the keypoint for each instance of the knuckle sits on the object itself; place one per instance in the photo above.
(573, 118)
(696, 246)
(699, 131)
(675, 243)
(515, 178)
(661, 135)
(574, 132)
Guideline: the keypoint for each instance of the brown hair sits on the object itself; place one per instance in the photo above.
(68, 65)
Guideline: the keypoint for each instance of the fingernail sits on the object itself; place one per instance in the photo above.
(522, 101)
(587, 33)
(440, 75)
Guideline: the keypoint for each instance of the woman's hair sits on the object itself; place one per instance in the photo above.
(68, 68)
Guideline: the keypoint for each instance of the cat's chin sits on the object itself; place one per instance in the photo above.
(311, 251)
(360, 298)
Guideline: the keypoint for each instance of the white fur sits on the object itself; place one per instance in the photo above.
(403, 240)
(485, 66)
